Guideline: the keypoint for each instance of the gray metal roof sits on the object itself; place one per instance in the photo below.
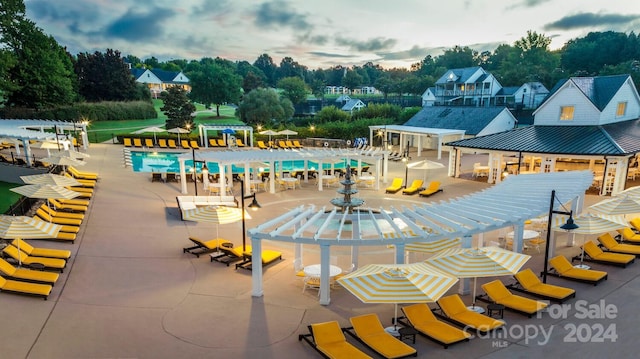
(599, 90)
(470, 119)
(463, 74)
(620, 138)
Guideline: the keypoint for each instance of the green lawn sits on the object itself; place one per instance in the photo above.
(102, 131)
(7, 198)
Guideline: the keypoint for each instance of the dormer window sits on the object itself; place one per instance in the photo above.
(622, 109)
(566, 113)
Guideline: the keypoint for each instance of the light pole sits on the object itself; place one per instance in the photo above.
(405, 160)
(195, 175)
(570, 225)
(254, 205)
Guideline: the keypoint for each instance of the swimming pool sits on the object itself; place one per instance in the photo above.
(168, 162)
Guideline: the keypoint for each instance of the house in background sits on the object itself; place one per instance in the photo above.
(584, 123)
(475, 121)
(429, 97)
(159, 80)
(530, 95)
(470, 86)
(353, 105)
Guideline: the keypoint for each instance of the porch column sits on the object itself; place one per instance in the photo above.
(256, 270)
(325, 262)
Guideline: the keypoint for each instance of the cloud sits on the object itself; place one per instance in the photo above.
(590, 20)
(307, 38)
(329, 55)
(371, 45)
(413, 53)
(212, 8)
(527, 3)
(280, 14)
(69, 14)
(138, 27)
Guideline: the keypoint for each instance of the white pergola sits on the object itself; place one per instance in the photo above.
(509, 203)
(247, 132)
(441, 135)
(268, 158)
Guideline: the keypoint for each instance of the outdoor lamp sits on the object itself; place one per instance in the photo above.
(568, 226)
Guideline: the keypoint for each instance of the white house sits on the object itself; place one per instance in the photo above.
(353, 105)
(429, 97)
(530, 95)
(159, 80)
(470, 86)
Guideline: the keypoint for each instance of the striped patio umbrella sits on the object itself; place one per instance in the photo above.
(45, 191)
(63, 161)
(432, 247)
(50, 179)
(631, 191)
(71, 154)
(12, 227)
(618, 205)
(478, 262)
(398, 283)
(214, 214)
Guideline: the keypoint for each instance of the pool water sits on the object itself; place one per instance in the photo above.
(168, 162)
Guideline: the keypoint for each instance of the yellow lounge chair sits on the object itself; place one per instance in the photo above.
(414, 188)
(127, 142)
(561, 267)
(434, 187)
(21, 257)
(262, 146)
(194, 144)
(83, 183)
(529, 283)
(204, 247)
(75, 202)
(230, 255)
(221, 142)
(593, 253)
(185, 144)
(329, 340)
(84, 191)
(422, 319)
(369, 331)
(82, 174)
(48, 218)
(40, 252)
(67, 206)
(267, 257)
(628, 235)
(454, 309)
(171, 143)
(27, 275)
(611, 245)
(282, 144)
(12, 286)
(499, 294)
(162, 142)
(239, 143)
(297, 144)
(635, 223)
(137, 142)
(395, 186)
(289, 144)
(57, 214)
(149, 142)
(213, 142)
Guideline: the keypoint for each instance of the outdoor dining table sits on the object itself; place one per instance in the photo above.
(313, 270)
(291, 181)
(367, 180)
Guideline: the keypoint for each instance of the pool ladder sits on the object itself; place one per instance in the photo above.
(126, 157)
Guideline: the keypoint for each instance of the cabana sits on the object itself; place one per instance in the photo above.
(424, 136)
(247, 132)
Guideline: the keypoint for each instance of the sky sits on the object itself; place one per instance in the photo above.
(319, 34)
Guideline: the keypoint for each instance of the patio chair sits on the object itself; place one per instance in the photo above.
(82, 174)
(213, 142)
(149, 142)
(268, 256)
(204, 247)
(297, 144)
(221, 142)
(282, 144)
(561, 267)
(328, 339)
(127, 142)
(12, 286)
(83, 191)
(422, 319)
(635, 223)
(368, 330)
(262, 146)
(84, 183)
(40, 212)
(628, 235)
(171, 143)
(434, 187)
(172, 177)
(57, 214)
(528, 282)
(395, 186)
(162, 143)
(454, 310)
(185, 144)
(27, 275)
(230, 255)
(593, 253)
(609, 243)
(137, 142)
(75, 202)
(67, 206)
(194, 144)
(39, 251)
(239, 143)
(34, 262)
(416, 185)
(289, 144)
(498, 293)
(156, 177)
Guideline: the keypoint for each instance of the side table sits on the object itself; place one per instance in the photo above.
(407, 333)
(495, 310)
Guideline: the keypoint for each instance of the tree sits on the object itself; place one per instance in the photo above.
(294, 89)
(104, 77)
(251, 82)
(177, 107)
(588, 55)
(352, 80)
(457, 57)
(268, 68)
(215, 84)
(290, 68)
(260, 106)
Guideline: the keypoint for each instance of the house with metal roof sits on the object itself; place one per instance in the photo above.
(159, 80)
(353, 105)
(584, 122)
(469, 86)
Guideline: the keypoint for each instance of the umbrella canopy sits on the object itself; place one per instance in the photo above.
(71, 154)
(618, 205)
(478, 262)
(63, 161)
(287, 133)
(45, 191)
(432, 247)
(229, 131)
(153, 129)
(425, 165)
(12, 227)
(268, 133)
(46, 145)
(398, 283)
(178, 130)
(631, 191)
(50, 179)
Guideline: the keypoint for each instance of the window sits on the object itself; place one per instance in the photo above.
(566, 113)
(622, 109)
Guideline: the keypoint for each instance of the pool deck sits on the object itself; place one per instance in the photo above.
(129, 291)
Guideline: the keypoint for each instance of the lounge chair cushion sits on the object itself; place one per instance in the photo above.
(628, 235)
(423, 320)
(40, 252)
(531, 283)
(330, 340)
(51, 263)
(597, 254)
(369, 329)
(434, 187)
(395, 186)
(565, 269)
(454, 308)
(414, 188)
(611, 245)
(25, 274)
(25, 287)
(498, 293)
